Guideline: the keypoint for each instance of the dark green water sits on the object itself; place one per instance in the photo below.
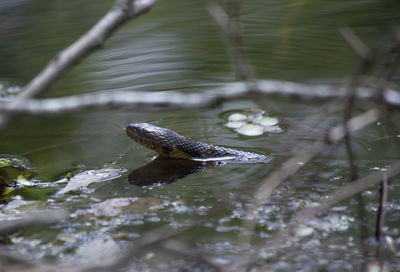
(177, 46)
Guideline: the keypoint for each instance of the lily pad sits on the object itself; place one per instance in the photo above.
(237, 117)
(251, 130)
(85, 178)
(253, 123)
(235, 124)
(266, 121)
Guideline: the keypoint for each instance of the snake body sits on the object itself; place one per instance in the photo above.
(170, 144)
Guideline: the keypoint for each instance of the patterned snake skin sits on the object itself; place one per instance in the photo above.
(170, 144)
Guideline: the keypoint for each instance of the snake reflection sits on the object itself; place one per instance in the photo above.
(179, 156)
(164, 170)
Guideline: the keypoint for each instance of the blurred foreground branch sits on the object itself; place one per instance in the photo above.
(347, 191)
(122, 11)
(305, 216)
(177, 99)
(38, 218)
(231, 28)
(295, 163)
(149, 240)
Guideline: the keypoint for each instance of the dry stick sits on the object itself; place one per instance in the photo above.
(122, 11)
(347, 139)
(366, 56)
(355, 43)
(381, 209)
(291, 166)
(380, 220)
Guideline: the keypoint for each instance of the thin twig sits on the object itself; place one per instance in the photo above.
(355, 43)
(231, 28)
(349, 106)
(366, 56)
(381, 209)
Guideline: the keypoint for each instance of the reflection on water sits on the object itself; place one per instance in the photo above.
(166, 170)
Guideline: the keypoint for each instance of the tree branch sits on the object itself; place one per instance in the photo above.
(122, 11)
(229, 91)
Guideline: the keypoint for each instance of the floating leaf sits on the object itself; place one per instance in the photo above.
(237, 117)
(253, 123)
(235, 124)
(23, 181)
(266, 121)
(85, 178)
(251, 130)
(303, 231)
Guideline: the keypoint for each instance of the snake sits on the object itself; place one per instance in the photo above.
(172, 145)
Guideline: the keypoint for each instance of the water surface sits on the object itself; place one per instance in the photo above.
(177, 46)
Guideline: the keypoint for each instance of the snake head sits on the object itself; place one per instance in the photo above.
(144, 130)
(150, 136)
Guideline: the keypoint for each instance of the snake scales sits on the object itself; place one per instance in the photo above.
(170, 144)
